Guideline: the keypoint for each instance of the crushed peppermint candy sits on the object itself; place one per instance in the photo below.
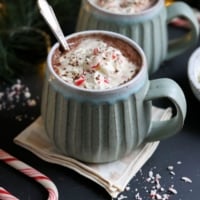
(170, 167)
(124, 6)
(15, 96)
(155, 188)
(95, 64)
(186, 179)
(172, 190)
(138, 197)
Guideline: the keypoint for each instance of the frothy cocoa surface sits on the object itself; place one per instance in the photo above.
(97, 61)
(124, 6)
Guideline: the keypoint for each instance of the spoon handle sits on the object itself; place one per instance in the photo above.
(50, 17)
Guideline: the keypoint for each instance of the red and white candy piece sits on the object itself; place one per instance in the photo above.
(5, 195)
(31, 172)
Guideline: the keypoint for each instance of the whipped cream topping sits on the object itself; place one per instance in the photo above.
(124, 6)
(93, 64)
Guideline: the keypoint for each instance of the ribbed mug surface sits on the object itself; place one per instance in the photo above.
(95, 132)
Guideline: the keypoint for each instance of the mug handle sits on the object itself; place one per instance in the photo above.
(161, 88)
(179, 45)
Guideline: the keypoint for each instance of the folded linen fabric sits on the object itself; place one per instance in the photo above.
(113, 177)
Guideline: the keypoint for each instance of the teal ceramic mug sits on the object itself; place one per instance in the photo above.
(149, 28)
(103, 125)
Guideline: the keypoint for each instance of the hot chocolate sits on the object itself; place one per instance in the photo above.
(124, 6)
(97, 125)
(97, 62)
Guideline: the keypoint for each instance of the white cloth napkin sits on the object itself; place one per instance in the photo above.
(113, 177)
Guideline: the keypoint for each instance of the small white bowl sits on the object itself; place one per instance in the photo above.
(194, 72)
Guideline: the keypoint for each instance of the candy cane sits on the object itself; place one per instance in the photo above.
(5, 195)
(31, 172)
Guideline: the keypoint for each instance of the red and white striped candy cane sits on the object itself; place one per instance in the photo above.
(31, 172)
(5, 195)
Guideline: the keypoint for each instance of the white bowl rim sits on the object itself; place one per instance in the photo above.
(193, 63)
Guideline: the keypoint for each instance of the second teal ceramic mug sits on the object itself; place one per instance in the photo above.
(148, 28)
(102, 125)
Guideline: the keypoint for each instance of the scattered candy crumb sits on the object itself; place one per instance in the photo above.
(179, 162)
(15, 97)
(155, 188)
(186, 179)
(172, 190)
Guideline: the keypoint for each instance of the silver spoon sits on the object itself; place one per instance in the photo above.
(50, 17)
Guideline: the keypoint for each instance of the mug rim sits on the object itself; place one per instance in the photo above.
(157, 4)
(143, 68)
